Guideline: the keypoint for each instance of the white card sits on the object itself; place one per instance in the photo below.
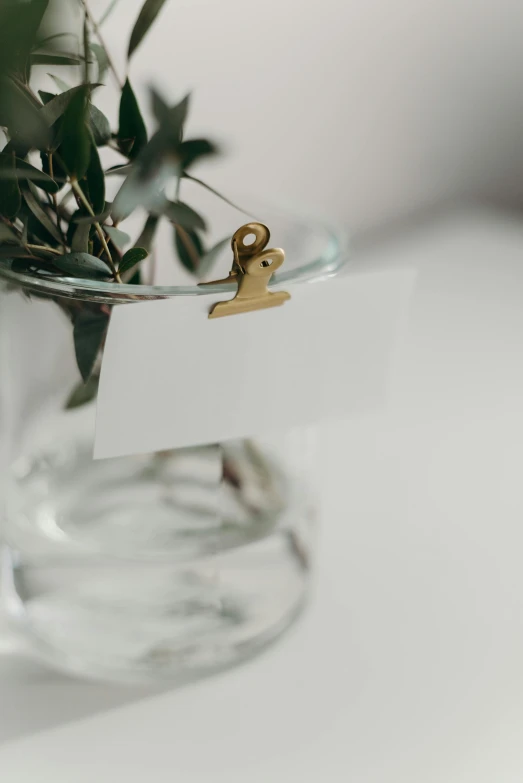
(173, 378)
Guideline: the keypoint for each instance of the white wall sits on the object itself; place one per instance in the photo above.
(362, 110)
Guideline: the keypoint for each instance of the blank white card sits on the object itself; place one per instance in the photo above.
(173, 378)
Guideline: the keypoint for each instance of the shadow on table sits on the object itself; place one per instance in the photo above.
(34, 698)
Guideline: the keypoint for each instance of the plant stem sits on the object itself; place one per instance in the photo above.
(99, 230)
(97, 32)
(44, 247)
(191, 250)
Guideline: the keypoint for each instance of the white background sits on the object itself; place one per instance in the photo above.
(407, 666)
(363, 110)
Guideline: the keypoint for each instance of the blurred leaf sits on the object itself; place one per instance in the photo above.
(63, 86)
(194, 149)
(132, 133)
(131, 258)
(189, 247)
(146, 238)
(41, 42)
(159, 106)
(95, 181)
(82, 265)
(89, 333)
(120, 170)
(84, 393)
(117, 237)
(80, 243)
(215, 193)
(108, 11)
(99, 125)
(149, 12)
(31, 199)
(90, 219)
(101, 58)
(157, 162)
(136, 192)
(209, 258)
(171, 119)
(19, 24)
(10, 196)
(75, 148)
(183, 215)
(40, 58)
(24, 171)
(20, 114)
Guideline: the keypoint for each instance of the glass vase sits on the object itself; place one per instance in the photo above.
(143, 568)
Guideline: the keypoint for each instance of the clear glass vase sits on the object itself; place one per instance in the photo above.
(152, 567)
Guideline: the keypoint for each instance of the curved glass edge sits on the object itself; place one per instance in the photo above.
(327, 265)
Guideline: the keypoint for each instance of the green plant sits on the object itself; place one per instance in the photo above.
(54, 216)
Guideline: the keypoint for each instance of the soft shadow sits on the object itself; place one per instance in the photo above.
(34, 698)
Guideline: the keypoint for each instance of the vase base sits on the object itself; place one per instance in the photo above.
(125, 622)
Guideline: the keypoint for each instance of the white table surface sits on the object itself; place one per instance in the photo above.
(408, 665)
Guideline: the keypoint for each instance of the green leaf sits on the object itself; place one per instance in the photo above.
(146, 238)
(84, 393)
(209, 258)
(31, 199)
(10, 196)
(24, 171)
(149, 12)
(40, 58)
(159, 106)
(184, 215)
(89, 332)
(56, 108)
(63, 86)
(132, 133)
(75, 149)
(79, 264)
(189, 247)
(110, 8)
(117, 237)
(95, 181)
(20, 114)
(46, 96)
(131, 258)
(19, 23)
(137, 192)
(102, 60)
(80, 243)
(90, 219)
(194, 149)
(99, 125)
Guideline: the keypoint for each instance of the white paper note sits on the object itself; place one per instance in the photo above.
(173, 378)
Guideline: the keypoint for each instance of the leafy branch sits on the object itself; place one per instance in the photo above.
(54, 216)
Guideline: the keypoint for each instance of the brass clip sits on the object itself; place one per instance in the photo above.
(252, 269)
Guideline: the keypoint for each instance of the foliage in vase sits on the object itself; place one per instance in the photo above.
(55, 219)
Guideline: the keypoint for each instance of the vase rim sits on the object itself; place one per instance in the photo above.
(322, 265)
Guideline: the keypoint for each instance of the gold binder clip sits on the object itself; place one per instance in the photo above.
(252, 269)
